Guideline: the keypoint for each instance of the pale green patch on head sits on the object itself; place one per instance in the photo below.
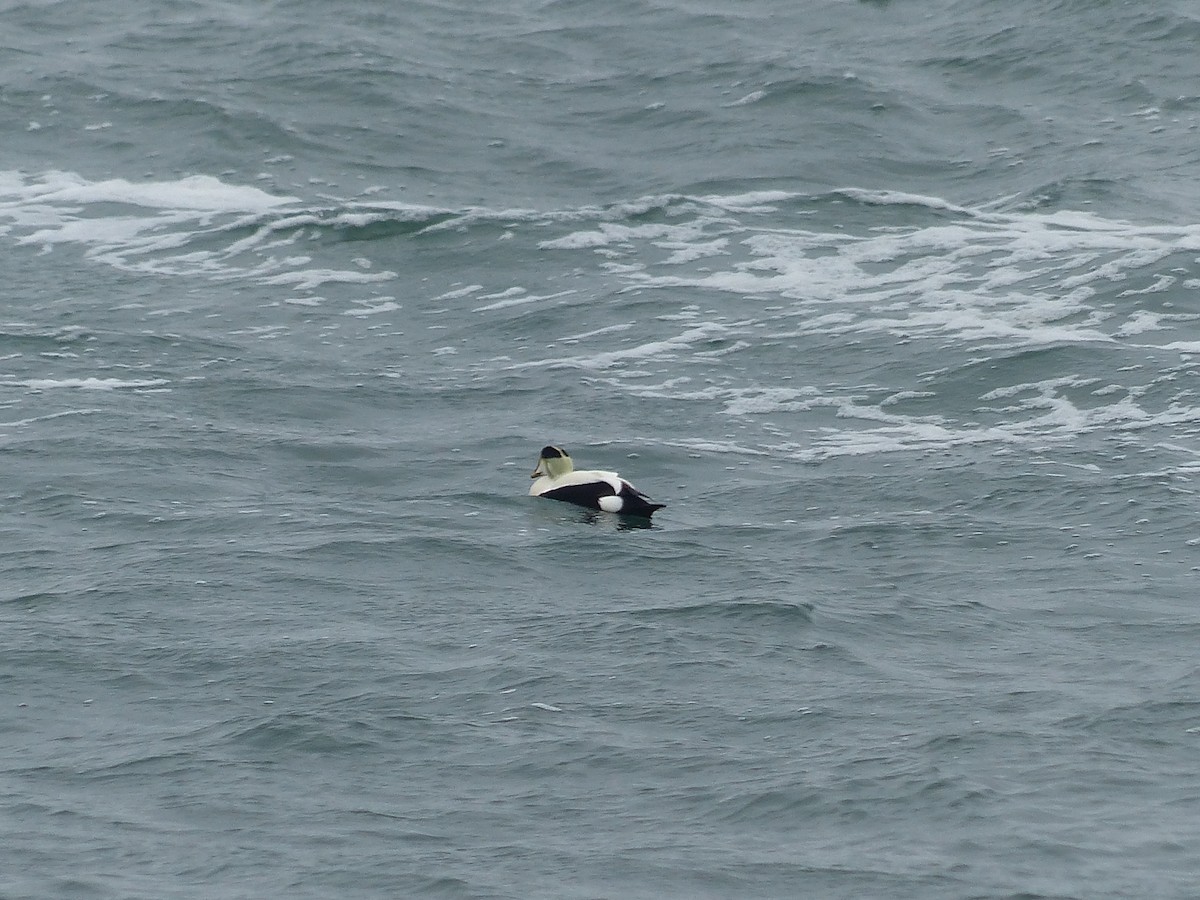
(554, 462)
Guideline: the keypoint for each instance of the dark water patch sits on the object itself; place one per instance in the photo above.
(445, 886)
(138, 765)
(734, 610)
(1161, 723)
(284, 734)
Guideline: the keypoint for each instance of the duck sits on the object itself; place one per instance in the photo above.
(558, 479)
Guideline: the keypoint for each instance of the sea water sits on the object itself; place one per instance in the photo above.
(895, 306)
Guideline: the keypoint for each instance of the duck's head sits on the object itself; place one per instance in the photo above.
(553, 462)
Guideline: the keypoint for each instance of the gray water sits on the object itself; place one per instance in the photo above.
(895, 306)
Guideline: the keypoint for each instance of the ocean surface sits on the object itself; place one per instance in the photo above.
(895, 305)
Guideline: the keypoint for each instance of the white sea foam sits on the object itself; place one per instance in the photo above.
(50, 416)
(666, 348)
(750, 201)
(608, 234)
(311, 279)
(990, 280)
(459, 292)
(894, 198)
(168, 227)
(901, 396)
(518, 297)
(977, 282)
(718, 447)
(703, 284)
(383, 305)
(197, 193)
(1044, 415)
(752, 97)
(607, 329)
(85, 384)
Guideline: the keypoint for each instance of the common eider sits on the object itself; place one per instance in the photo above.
(557, 479)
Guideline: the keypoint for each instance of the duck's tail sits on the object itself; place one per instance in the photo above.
(636, 506)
